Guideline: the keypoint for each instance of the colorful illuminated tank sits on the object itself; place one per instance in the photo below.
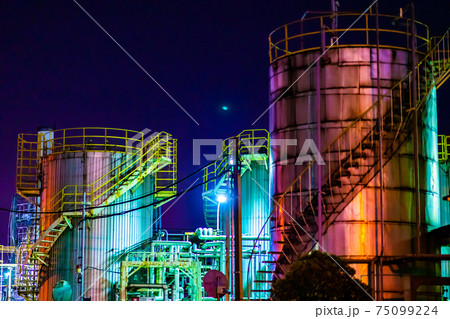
(341, 90)
(87, 172)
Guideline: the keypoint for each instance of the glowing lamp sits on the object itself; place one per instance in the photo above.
(221, 198)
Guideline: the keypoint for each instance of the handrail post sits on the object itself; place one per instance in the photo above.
(367, 29)
(270, 49)
(286, 38)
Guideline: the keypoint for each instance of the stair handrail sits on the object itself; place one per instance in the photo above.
(58, 201)
(152, 147)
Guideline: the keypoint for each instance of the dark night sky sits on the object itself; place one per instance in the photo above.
(58, 67)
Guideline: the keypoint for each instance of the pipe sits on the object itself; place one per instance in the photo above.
(416, 126)
(334, 19)
(221, 251)
(83, 244)
(167, 234)
(171, 243)
(380, 156)
(319, 141)
(237, 212)
(198, 232)
(227, 244)
(176, 282)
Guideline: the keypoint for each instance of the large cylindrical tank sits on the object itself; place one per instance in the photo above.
(70, 168)
(348, 87)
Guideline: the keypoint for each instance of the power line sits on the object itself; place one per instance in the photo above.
(157, 202)
(114, 204)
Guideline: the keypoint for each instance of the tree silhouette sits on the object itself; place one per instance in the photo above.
(317, 277)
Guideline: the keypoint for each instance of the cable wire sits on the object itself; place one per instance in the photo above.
(113, 204)
(157, 202)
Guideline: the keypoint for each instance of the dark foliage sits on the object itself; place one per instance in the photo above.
(317, 277)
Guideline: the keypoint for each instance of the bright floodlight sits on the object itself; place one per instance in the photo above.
(221, 198)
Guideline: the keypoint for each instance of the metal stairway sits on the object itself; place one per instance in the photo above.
(155, 155)
(217, 177)
(350, 164)
(36, 257)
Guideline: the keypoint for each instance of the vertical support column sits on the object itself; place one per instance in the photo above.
(237, 224)
(83, 244)
(334, 19)
(227, 242)
(319, 141)
(197, 282)
(176, 293)
(416, 127)
(380, 160)
(123, 281)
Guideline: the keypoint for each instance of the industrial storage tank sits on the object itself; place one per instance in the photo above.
(320, 69)
(253, 149)
(89, 172)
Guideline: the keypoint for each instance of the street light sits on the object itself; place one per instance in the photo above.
(220, 199)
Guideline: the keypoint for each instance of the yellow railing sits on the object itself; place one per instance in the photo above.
(166, 177)
(32, 147)
(70, 197)
(305, 34)
(93, 139)
(251, 143)
(27, 163)
(159, 152)
(158, 147)
(443, 147)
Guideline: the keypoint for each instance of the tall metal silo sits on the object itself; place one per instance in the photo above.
(84, 175)
(324, 87)
(252, 148)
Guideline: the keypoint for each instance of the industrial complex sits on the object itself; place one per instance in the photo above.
(351, 164)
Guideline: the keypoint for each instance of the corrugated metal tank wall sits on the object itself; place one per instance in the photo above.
(106, 238)
(255, 210)
(348, 83)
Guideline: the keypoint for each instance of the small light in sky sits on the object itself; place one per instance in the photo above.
(225, 108)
